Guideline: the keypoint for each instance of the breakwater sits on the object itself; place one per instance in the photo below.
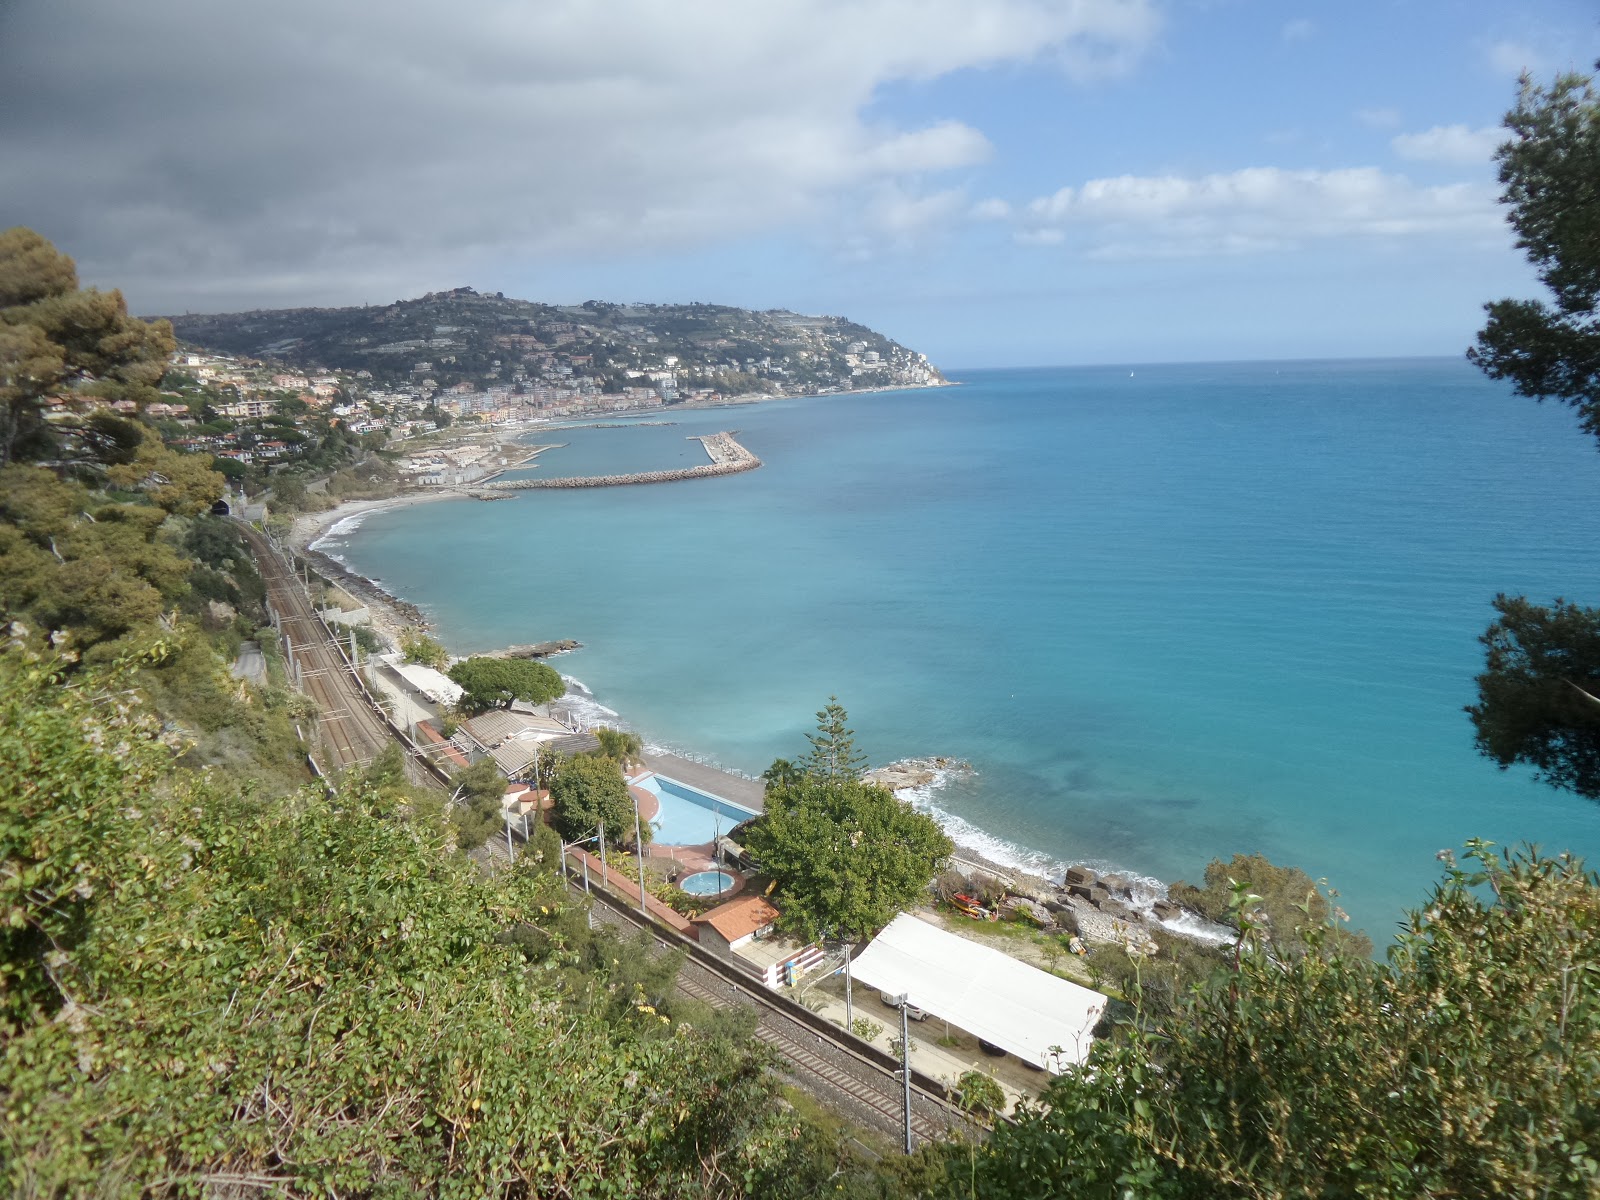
(728, 457)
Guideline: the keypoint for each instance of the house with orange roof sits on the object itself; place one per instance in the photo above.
(737, 923)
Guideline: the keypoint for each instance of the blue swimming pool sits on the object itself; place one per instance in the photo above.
(707, 883)
(688, 816)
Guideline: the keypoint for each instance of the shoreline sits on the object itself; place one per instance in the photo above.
(1039, 873)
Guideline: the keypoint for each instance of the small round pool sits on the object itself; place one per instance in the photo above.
(707, 883)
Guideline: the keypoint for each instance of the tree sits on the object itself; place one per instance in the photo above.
(418, 647)
(1539, 698)
(1548, 168)
(497, 682)
(55, 338)
(833, 749)
(1464, 1066)
(584, 791)
(846, 855)
(621, 745)
(1541, 663)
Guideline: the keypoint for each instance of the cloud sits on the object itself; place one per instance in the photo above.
(214, 155)
(1513, 58)
(1254, 210)
(1299, 30)
(992, 209)
(1454, 144)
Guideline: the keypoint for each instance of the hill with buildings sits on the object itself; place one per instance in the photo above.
(640, 355)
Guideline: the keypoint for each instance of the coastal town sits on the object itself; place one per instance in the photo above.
(269, 394)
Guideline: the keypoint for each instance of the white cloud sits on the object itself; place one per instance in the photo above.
(1300, 29)
(1455, 144)
(992, 209)
(1253, 210)
(323, 152)
(1513, 58)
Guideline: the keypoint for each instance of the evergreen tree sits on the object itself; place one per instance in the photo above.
(1537, 697)
(833, 748)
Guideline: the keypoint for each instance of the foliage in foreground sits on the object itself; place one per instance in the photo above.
(315, 996)
(1468, 1065)
(1286, 902)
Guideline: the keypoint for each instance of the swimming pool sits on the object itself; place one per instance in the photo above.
(707, 883)
(688, 816)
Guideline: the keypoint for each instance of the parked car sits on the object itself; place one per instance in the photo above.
(912, 1011)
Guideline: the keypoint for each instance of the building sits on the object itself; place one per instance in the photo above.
(737, 923)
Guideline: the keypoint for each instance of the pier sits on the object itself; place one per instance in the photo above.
(727, 456)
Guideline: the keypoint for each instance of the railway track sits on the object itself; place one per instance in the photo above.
(820, 1062)
(349, 732)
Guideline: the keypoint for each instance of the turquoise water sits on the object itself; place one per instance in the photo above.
(688, 816)
(1201, 609)
(707, 883)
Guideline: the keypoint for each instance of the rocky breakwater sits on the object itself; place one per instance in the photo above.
(915, 772)
(728, 457)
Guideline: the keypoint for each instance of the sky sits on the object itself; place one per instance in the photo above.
(992, 182)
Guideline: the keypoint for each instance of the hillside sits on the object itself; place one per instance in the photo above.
(461, 337)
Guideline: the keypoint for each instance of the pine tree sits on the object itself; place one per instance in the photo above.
(833, 747)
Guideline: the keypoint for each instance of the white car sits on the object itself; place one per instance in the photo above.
(912, 1011)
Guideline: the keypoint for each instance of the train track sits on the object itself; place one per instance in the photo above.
(349, 732)
(822, 1063)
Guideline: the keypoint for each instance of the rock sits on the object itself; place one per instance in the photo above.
(1113, 907)
(1067, 919)
(1165, 910)
(1081, 876)
(537, 650)
(1117, 885)
(1056, 906)
(219, 615)
(1098, 896)
(1032, 910)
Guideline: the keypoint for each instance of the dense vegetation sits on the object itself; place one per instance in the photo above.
(312, 994)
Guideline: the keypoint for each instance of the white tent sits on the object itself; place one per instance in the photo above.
(991, 995)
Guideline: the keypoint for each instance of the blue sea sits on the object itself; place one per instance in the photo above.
(1166, 612)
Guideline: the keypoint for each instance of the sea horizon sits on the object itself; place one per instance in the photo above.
(1073, 493)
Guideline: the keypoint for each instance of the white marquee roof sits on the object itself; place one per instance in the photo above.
(991, 995)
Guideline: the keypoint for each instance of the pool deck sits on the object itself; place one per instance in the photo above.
(747, 793)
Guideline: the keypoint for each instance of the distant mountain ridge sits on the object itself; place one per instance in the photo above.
(462, 336)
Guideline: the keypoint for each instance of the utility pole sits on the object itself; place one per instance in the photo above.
(510, 847)
(905, 1061)
(849, 1011)
(605, 875)
(638, 845)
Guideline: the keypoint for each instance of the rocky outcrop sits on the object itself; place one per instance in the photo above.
(537, 649)
(914, 772)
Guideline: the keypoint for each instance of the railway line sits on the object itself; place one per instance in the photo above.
(350, 732)
(817, 1056)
